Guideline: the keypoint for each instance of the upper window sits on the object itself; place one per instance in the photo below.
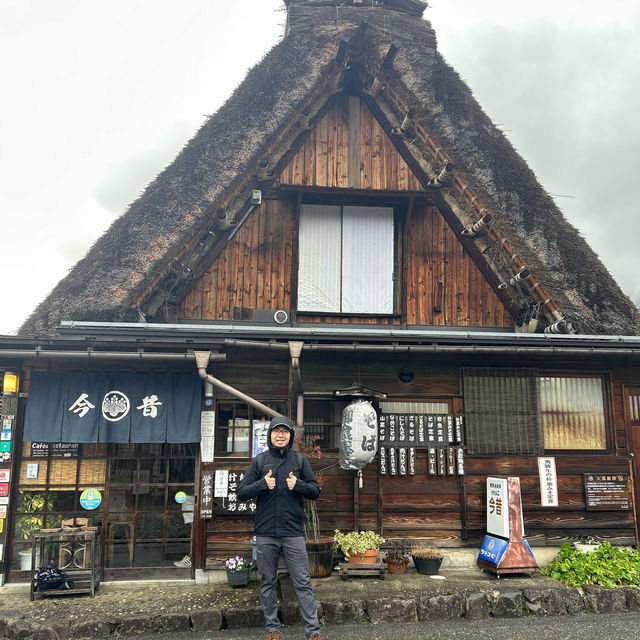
(572, 411)
(346, 259)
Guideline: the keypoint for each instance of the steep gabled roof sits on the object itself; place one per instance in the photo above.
(150, 252)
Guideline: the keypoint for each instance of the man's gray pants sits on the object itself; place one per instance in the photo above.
(295, 556)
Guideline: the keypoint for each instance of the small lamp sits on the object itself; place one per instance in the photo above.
(10, 383)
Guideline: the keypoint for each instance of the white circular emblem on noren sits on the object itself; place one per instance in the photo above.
(115, 406)
(280, 316)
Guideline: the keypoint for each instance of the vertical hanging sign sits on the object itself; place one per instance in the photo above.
(548, 482)
(207, 435)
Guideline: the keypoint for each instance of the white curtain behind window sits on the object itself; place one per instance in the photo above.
(367, 267)
(319, 248)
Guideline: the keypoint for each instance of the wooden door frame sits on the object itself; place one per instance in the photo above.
(634, 451)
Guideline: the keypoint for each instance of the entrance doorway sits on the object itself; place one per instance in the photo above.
(149, 515)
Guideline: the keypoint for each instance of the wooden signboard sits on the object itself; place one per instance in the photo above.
(607, 491)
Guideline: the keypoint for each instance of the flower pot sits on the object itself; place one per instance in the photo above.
(392, 567)
(320, 556)
(238, 578)
(427, 566)
(369, 556)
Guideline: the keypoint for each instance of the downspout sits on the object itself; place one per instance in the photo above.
(295, 349)
(202, 360)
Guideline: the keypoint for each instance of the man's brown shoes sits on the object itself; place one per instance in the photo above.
(315, 636)
(274, 635)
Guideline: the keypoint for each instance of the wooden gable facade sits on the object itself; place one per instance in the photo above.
(349, 157)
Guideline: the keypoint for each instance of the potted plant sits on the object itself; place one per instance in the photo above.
(238, 570)
(363, 546)
(396, 559)
(587, 544)
(319, 550)
(426, 559)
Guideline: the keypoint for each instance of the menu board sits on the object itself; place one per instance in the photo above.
(607, 491)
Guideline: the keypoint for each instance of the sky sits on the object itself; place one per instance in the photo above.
(98, 96)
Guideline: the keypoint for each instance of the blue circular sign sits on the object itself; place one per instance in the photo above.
(90, 499)
(181, 497)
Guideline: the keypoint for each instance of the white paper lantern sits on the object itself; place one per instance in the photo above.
(358, 435)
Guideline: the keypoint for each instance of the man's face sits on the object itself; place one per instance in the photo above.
(280, 437)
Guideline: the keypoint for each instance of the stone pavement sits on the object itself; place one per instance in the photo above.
(129, 608)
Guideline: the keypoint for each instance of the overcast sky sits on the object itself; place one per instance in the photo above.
(97, 96)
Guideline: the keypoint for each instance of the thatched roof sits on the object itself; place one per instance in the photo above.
(215, 170)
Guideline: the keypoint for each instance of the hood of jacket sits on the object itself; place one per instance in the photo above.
(280, 422)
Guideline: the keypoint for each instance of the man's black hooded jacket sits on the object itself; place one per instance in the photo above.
(280, 511)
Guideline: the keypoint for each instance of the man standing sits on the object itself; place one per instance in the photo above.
(279, 478)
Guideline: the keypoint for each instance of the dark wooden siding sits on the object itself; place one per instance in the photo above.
(333, 155)
(444, 286)
(449, 510)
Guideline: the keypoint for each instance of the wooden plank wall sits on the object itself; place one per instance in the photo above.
(444, 286)
(327, 156)
(255, 270)
(431, 507)
(448, 511)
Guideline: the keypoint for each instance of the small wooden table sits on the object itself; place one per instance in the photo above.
(362, 570)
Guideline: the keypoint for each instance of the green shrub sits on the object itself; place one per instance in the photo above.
(609, 566)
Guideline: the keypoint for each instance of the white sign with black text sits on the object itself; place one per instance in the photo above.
(548, 482)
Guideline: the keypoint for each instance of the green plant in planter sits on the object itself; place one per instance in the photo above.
(29, 519)
(397, 555)
(608, 566)
(355, 542)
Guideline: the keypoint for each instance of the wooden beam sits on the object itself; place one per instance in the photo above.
(355, 142)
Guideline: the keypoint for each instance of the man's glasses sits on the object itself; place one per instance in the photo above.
(280, 430)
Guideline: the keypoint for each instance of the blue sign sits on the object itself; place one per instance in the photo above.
(113, 406)
(492, 549)
(90, 499)
(181, 497)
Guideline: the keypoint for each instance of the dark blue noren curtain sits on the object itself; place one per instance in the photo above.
(113, 406)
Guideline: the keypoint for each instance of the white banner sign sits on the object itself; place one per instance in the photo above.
(497, 507)
(221, 485)
(207, 423)
(548, 482)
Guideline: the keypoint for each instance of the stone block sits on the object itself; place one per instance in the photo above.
(92, 629)
(508, 605)
(173, 622)
(343, 612)
(447, 607)
(477, 606)
(136, 626)
(206, 620)
(633, 598)
(544, 602)
(392, 610)
(241, 618)
(574, 601)
(605, 600)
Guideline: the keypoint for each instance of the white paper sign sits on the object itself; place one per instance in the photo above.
(221, 486)
(548, 482)
(207, 423)
(206, 448)
(5, 474)
(497, 507)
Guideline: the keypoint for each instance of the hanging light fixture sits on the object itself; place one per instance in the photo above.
(10, 383)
